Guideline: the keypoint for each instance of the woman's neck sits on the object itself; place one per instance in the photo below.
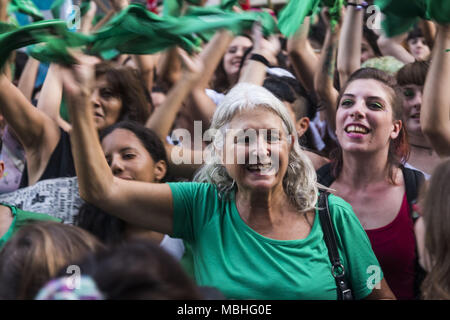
(262, 209)
(360, 170)
(420, 144)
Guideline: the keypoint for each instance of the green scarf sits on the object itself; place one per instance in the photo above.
(26, 7)
(134, 30)
(292, 15)
(402, 15)
(27, 35)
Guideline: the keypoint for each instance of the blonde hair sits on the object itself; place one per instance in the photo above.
(436, 214)
(300, 180)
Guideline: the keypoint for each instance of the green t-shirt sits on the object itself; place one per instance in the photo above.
(243, 264)
(20, 218)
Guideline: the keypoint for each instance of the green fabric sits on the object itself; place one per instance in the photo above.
(187, 260)
(292, 15)
(134, 30)
(401, 15)
(243, 264)
(438, 10)
(26, 7)
(55, 48)
(21, 218)
(85, 6)
(27, 35)
(172, 7)
(56, 8)
(6, 27)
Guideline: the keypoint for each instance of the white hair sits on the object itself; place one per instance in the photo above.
(300, 180)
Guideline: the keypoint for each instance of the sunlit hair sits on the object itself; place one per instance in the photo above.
(436, 214)
(398, 148)
(299, 181)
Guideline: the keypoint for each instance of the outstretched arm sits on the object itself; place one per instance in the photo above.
(392, 47)
(210, 56)
(255, 71)
(349, 54)
(32, 127)
(162, 119)
(28, 77)
(435, 111)
(302, 56)
(148, 205)
(324, 78)
(51, 97)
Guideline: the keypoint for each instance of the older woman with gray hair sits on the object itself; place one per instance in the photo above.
(250, 217)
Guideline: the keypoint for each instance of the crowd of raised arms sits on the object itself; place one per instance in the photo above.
(223, 150)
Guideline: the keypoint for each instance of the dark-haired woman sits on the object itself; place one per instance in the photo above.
(368, 172)
(133, 152)
(411, 78)
(117, 95)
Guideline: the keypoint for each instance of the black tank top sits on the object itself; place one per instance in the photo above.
(60, 163)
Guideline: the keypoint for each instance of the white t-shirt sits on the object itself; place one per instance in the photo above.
(173, 246)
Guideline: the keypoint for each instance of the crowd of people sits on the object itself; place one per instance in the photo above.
(308, 166)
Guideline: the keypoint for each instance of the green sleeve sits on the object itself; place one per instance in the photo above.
(362, 267)
(193, 206)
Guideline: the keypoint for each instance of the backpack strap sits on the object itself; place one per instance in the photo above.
(413, 180)
(337, 269)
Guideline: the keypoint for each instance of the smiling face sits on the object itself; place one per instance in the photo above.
(364, 118)
(129, 159)
(107, 105)
(233, 57)
(256, 152)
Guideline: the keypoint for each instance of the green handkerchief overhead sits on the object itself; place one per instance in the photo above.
(401, 15)
(26, 7)
(294, 13)
(28, 35)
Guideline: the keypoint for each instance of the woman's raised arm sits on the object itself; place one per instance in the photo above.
(435, 111)
(148, 205)
(302, 56)
(33, 128)
(349, 51)
(327, 95)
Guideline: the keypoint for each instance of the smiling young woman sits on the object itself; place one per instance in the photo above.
(368, 172)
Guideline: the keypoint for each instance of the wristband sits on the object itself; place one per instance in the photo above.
(260, 58)
(357, 6)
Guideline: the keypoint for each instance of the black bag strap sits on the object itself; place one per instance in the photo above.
(413, 180)
(337, 269)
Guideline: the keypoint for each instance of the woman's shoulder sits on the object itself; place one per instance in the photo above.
(198, 190)
(341, 211)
